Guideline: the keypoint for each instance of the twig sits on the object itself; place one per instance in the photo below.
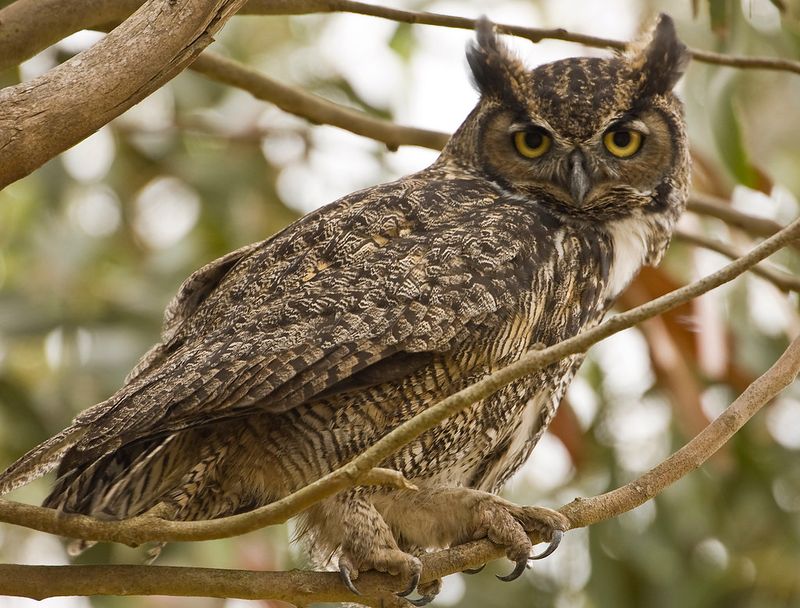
(312, 107)
(39, 23)
(297, 7)
(39, 582)
(721, 209)
(53, 112)
(142, 529)
(782, 280)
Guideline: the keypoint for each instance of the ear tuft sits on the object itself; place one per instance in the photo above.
(495, 71)
(659, 59)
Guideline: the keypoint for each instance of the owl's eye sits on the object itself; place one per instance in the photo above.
(623, 143)
(532, 143)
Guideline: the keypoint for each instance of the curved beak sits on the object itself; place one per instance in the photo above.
(579, 182)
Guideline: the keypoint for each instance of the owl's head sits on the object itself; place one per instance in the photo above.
(591, 137)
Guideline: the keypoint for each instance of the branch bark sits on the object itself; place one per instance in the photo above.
(39, 582)
(53, 112)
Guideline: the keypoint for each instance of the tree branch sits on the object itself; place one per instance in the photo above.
(39, 582)
(782, 280)
(313, 107)
(587, 511)
(38, 25)
(141, 529)
(51, 113)
(712, 206)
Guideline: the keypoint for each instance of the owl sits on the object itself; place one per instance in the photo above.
(285, 359)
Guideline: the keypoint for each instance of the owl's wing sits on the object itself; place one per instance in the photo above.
(270, 326)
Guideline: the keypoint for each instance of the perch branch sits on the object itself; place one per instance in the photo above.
(137, 530)
(39, 582)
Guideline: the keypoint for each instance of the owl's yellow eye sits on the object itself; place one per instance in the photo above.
(533, 143)
(623, 143)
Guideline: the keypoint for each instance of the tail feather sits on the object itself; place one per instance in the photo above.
(40, 460)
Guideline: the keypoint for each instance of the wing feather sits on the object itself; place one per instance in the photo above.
(273, 324)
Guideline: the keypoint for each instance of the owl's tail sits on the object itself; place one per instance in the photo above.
(40, 460)
(175, 477)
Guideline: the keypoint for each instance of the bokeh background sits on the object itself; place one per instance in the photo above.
(95, 243)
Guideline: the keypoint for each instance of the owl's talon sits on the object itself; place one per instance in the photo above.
(423, 601)
(344, 574)
(411, 586)
(473, 570)
(516, 572)
(555, 540)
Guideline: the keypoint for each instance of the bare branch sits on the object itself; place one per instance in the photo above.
(719, 208)
(312, 107)
(142, 529)
(51, 113)
(587, 511)
(297, 7)
(39, 582)
(37, 24)
(138, 530)
(781, 279)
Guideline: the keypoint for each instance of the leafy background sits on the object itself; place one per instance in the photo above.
(95, 243)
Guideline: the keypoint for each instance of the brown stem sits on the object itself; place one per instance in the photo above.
(312, 107)
(782, 280)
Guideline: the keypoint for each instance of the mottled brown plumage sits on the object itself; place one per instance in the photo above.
(285, 359)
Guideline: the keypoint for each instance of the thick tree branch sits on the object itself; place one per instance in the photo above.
(142, 529)
(312, 107)
(39, 582)
(53, 112)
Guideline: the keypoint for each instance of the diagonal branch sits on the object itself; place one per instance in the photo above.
(53, 112)
(39, 582)
(781, 279)
(143, 529)
(313, 107)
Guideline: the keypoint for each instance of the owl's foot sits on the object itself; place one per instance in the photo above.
(368, 544)
(427, 591)
(508, 525)
(391, 561)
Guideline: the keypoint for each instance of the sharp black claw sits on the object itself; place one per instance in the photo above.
(516, 572)
(473, 570)
(411, 586)
(344, 574)
(423, 601)
(554, 542)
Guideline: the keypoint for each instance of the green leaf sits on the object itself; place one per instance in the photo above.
(402, 42)
(720, 13)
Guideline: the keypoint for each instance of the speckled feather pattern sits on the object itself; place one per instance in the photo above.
(287, 358)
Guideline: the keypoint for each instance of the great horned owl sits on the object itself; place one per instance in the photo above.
(283, 360)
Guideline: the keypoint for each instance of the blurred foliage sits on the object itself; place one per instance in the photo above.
(94, 244)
